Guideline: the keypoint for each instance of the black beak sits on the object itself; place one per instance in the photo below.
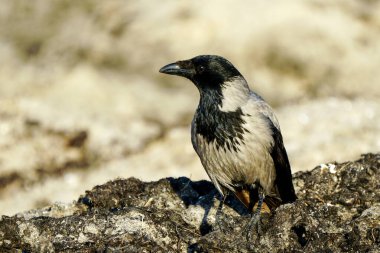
(171, 69)
(180, 68)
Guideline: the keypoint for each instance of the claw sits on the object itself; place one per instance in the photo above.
(219, 213)
(255, 221)
(255, 218)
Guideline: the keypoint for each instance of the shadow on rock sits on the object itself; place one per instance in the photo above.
(338, 210)
(204, 194)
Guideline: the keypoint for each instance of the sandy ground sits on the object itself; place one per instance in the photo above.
(82, 102)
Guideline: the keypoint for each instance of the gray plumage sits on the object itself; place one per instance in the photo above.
(234, 131)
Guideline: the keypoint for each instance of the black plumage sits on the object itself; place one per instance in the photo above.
(283, 180)
(225, 128)
(236, 134)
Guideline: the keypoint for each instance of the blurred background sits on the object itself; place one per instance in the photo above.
(82, 102)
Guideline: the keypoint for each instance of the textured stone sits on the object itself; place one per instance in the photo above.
(172, 215)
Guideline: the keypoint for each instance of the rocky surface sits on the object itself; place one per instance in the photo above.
(82, 102)
(338, 210)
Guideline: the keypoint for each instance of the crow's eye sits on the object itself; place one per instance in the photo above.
(200, 69)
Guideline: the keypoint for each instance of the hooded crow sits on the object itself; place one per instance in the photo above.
(236, 135)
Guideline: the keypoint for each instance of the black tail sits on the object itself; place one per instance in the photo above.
(283, 180)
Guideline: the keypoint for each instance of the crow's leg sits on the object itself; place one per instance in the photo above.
(219, 212)
(255, 216)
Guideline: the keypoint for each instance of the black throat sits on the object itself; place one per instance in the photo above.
(214, 125)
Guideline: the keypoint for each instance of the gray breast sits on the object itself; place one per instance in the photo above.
(248, 162)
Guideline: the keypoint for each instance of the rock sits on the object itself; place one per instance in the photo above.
(81, 95)
(338, 209)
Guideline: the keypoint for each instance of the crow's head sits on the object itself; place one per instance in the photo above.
(205, 71)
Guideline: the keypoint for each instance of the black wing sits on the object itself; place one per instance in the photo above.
(283, 180)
